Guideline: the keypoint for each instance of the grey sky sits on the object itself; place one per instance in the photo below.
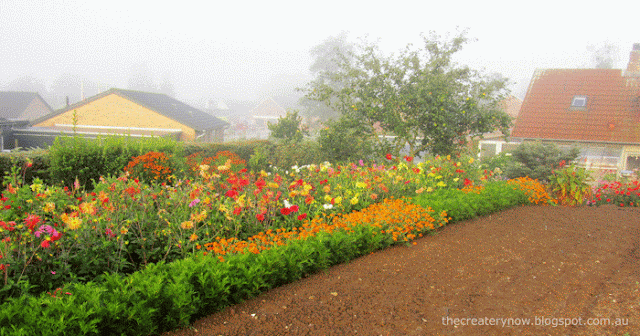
(253, 48)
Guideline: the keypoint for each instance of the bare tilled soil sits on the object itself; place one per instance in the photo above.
(489, 276)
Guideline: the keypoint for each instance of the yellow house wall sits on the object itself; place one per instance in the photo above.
(113, 110)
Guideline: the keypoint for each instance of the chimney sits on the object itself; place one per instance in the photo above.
(633, 68)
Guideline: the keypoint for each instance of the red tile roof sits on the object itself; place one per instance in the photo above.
(612, 112)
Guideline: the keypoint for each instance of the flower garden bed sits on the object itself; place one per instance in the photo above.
(133, 258)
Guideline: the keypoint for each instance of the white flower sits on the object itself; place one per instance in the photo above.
(327, 206)
(287, 204)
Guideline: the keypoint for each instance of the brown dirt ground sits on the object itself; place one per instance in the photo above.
(527, 262)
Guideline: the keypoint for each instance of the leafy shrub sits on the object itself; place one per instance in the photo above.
(345, 140)
(286, 156)
(501, 161)
(244, 149)
(37, 159)
(289, 128)
(537, 160)
(570, 186)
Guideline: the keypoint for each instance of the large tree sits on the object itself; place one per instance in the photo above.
(421, 98)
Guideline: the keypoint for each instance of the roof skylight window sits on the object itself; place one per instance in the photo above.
(579, 101)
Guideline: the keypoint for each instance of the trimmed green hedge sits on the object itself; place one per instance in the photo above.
(460, 206)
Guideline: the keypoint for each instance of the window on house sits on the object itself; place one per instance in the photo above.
(579, 101)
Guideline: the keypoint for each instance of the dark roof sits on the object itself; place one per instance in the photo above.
(160, 103)
(611, 114)
(14, 103)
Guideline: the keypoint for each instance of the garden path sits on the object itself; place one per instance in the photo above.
(524, 263)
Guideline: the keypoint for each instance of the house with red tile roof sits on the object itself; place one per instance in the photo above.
(597, 110)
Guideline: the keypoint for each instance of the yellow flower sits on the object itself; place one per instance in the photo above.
(223, 168)
(124, 230)
(471, 160)
(361, 184)
(307, 187)
(429, 189)
(74, 223)
(338, 200)
(441, 184)
(354, 201)
(187, 225)
(326, 189)
(193, 237)
(241, 200)
(327, 198)
(272, 185)
(36, 187)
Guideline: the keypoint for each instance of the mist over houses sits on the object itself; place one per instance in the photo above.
(597, 110)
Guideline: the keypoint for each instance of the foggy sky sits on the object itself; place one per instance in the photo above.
(254, 49)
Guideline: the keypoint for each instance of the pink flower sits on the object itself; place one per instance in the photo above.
(194, 202)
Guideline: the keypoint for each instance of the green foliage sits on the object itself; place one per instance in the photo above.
(36, 160)
(289, 128)
(244, 149)
(461, 205)
(286, 155)
(260, 158)
(502, 161)
(421, 97)
(616, 192)
(570, 185)
(87, 159)
(537, 160)
(346, 140)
